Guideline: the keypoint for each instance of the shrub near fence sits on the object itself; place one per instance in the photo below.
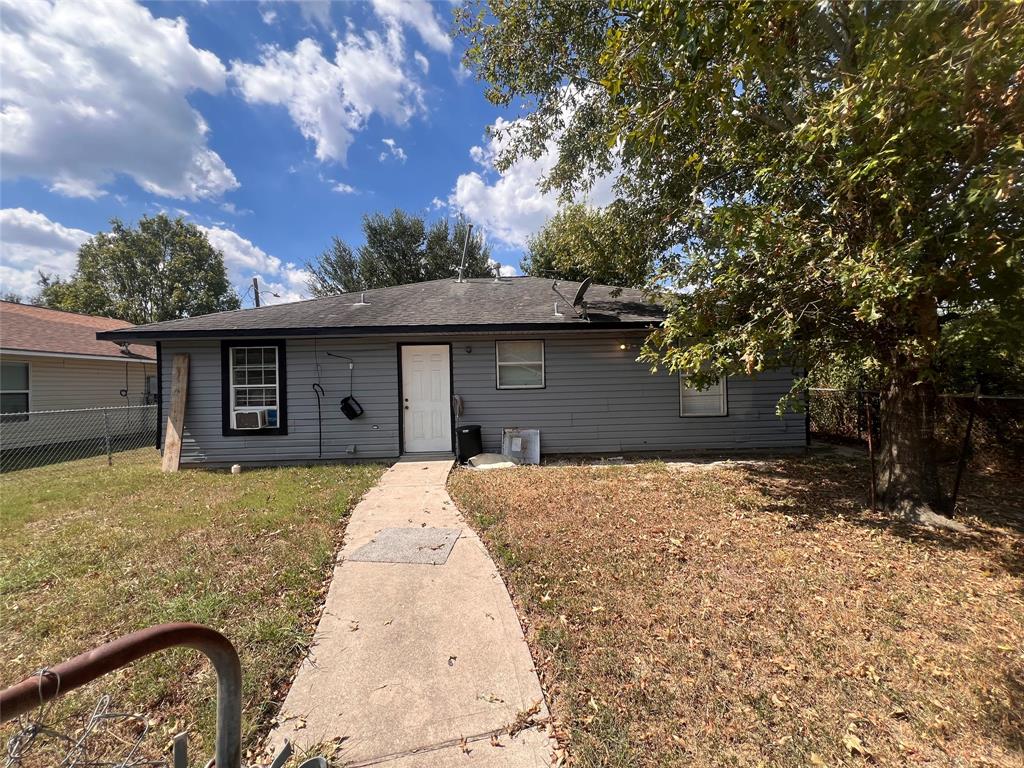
(38, 438)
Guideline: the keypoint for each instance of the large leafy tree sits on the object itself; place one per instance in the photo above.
(399, 248)
(831, 180)
(159, 269)
(600, 243)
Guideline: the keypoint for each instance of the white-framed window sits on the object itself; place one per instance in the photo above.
(254, 382)
(15, 397)
(519, 364)
(713, 401)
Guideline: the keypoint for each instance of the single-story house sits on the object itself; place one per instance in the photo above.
(266, 384)
(52, 361)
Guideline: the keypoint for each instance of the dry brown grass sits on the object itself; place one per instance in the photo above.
(760, 615)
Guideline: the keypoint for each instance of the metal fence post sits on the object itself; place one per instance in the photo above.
(965, 448)
(106, 434)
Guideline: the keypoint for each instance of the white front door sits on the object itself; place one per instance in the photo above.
(426, 399)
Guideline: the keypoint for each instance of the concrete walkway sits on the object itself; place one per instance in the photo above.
(415, 664)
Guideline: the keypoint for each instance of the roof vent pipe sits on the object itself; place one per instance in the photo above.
(557, 313)
(465, 247)
(362, 300)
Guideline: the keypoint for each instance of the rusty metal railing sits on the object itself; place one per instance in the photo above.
(23, 697)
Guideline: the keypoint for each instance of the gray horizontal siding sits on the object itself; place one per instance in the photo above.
(597, 399)
(376, 388)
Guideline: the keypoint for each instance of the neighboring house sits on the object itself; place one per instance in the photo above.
(514, 352)
(52, 361)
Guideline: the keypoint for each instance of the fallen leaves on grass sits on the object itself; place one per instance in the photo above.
(750, 615)
(527, 718)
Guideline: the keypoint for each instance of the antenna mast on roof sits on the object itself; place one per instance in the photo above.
(465, 247)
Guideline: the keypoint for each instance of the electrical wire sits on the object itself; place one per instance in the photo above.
(124, 392)
(318, 390)
(351, 370)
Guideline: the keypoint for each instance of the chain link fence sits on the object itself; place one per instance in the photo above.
(39, 438)
(997, 432)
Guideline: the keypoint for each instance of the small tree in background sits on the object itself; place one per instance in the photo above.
(600, 243)
(159, 269)
(833, 179)
(399, 249)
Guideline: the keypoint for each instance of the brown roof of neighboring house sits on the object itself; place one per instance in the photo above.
(27, 328)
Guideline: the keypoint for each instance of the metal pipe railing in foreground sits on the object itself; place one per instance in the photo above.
(38, 689)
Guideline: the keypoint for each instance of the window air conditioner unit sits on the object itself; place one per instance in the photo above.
(251, 419)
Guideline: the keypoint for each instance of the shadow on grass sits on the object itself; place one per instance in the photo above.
(816, 489)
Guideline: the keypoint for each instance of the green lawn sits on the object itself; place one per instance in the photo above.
(90, 552)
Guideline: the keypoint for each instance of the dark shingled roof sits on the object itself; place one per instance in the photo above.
(511, 304)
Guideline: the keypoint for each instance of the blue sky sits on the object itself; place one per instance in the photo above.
(273, 125)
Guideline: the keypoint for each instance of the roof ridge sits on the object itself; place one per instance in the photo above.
(442, 303)
(453, 279)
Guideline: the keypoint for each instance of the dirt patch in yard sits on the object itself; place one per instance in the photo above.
(761, 615)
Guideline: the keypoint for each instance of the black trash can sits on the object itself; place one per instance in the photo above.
(469, 442)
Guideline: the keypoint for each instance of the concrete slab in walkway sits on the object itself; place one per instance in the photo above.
(410, 659)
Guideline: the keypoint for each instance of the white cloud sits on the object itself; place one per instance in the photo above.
(234, 210)
(418, 14)
(437, 203)
(317, 11)
(511, 205)
(393, 150)
(29, 243)
(461, 73)
(344, 189)
(93, 89)
(269, 15)
(329, 101)
(245, 260)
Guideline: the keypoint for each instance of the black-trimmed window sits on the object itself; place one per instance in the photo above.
(253, 395)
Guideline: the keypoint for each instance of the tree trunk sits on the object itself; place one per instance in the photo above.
(909, 477)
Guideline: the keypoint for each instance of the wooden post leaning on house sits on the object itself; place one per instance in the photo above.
(176, 416)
